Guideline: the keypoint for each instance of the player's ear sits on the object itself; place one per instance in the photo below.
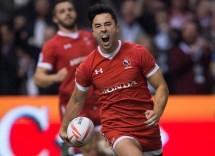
(117, 28)
(54, 19)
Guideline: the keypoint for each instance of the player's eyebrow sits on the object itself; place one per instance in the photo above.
(108, 22)
(97, 24)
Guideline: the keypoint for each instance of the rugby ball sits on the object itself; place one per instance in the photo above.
(80, 131)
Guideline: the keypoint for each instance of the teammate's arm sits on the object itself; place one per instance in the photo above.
(42, 77)
(161, 95)
(73, 109)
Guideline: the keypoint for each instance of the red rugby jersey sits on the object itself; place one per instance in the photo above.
(69, 50)
(120, 80)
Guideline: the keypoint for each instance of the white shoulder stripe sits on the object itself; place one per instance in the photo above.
(45, 65)
(84, 89)
(152, 71)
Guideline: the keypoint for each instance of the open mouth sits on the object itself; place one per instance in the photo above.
(105, 38)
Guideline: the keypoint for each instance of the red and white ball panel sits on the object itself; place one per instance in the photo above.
(80, 131)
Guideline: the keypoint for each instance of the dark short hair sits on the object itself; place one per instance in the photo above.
(57, 2)
(100, 9)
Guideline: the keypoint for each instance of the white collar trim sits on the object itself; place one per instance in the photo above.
(110, 55)
(70, 35)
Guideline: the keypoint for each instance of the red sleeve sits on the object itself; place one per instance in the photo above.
(83, 76)
(47, 56)
(146, 60)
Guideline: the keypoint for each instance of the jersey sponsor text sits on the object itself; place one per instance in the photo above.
(121, 86)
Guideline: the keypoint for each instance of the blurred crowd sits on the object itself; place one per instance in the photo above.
(180, 34)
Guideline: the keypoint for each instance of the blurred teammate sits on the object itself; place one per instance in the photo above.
(62, 54)
(119, 72)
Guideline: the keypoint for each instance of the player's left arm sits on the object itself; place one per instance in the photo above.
(73, 109)
(160, 99)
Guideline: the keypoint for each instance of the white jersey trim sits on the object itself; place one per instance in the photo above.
(152, 71)
(150, 153)
(110, 55)
(119, 139)
(74, 35)
(84, 89)
(45, 65)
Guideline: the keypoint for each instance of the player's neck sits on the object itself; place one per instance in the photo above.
(111, 49)
(69, 31)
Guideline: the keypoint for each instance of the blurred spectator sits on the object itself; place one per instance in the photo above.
(190, 62)
(212, 6)
(6, 10)
(9, 80)
(212, 67)
(212, 30)
(37, 25)
(212, 44)
(180, 13)
(81, 8)
(25, 72)
(16, 67)
(20, 3)
(203, 15)
(25, 61)
(130, 29)
(155, 24)
(148, 43)
(163, 37)
(21, 34)
(147, 18)
(40, 23)
(164, 40)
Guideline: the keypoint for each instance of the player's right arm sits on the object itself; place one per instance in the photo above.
(42, 77)
(73, 109)
(47, 59)
(76, 102)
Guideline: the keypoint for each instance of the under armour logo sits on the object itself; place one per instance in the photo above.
(98, 71)
(67, 46)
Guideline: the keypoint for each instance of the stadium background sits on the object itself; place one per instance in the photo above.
(29, 118)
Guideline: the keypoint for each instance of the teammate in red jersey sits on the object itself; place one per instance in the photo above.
(119, 71)
(62, 54)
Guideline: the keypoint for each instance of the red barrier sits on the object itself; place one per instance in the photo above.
(29, 126)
